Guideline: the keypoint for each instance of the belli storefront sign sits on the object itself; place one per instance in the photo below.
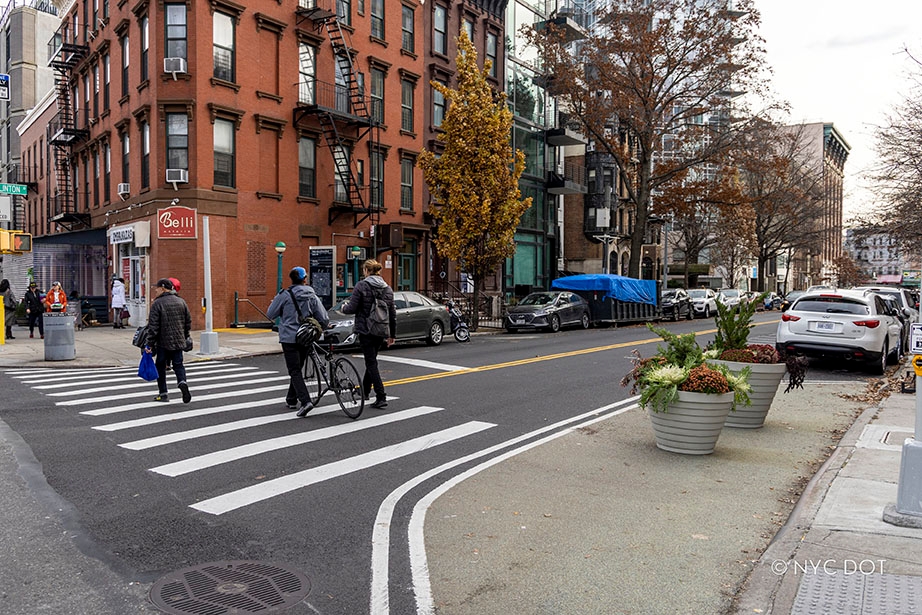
(177, 223)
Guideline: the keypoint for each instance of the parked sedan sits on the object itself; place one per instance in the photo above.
(790, 298)
(676, 304)
(730, 297)
(548, 310)
(704, 300)
(418, 318)
(848, 324)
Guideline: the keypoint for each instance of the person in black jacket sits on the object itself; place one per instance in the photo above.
(283, 308)
(168, 325)
(361, 303)
(34, 310)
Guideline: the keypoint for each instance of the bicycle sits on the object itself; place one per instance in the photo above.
(338, 375)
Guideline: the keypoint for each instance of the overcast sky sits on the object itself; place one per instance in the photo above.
(841, 61)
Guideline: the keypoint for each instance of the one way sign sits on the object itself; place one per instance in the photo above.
(4, 87)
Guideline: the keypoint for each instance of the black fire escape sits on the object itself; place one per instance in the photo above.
(63, 134)
(344, 117)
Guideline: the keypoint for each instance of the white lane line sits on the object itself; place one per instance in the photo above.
(419, 566)
(278, 486)
(125, 371)
(129, 377)
(193, 384)
(445, 367)
(174, 402)
(190, 434)
(209, 460)
(380, 538)
(135, 382)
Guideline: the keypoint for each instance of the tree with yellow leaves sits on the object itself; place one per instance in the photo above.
(474, 183)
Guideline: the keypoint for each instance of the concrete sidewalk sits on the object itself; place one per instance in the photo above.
(833, 553)
(105, 346)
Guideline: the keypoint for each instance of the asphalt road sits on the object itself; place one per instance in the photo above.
(235, 476)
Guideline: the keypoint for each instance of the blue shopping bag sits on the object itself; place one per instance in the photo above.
(146, 369)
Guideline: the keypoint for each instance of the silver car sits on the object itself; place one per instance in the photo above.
(418, 318)
(847, 324)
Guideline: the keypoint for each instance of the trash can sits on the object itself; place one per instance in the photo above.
(59, 336)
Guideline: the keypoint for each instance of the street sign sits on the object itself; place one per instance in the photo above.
(917, 365)
(18, 189)
(915, 338)
(4, 87)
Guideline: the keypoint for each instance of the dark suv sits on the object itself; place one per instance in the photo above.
(676, 304)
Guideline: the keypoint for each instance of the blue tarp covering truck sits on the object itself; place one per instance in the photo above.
(614, 299)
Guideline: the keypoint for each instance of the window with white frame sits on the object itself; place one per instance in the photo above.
(307, 167)
(223, 45)
(377, 19)
(177, 141)
(407, 41)
(224, 163)
(406, 184)
(440, 30)
(406, 104)
(145, 155)
(439, 107)
(377, 94)
(306, 73)
(145, 47)
(376, 179)
(176, 31)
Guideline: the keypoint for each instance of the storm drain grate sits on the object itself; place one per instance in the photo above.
(236, 586)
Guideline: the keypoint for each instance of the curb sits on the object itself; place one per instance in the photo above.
(766, 591)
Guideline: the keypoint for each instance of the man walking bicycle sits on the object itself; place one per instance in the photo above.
(284, 308)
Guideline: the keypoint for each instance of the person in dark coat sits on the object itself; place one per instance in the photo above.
(34, 310)
(361, 303)
(9, 305)
(283, 308)
(168, 325)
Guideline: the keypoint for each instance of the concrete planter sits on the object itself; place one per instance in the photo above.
(692, 423)
(764, 380)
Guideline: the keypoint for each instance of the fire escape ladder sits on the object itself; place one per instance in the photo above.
(64, 198)
(343, 54)
(345, 170)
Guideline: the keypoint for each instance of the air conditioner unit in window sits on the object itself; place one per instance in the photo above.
(124, 191)
(174, 65)
(177, 176)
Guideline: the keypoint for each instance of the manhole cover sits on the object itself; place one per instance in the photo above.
(236, 587)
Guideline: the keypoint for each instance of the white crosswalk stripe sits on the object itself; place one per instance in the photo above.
(185, 438)
(265, 490)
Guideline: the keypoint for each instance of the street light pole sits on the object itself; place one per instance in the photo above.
(280, 248)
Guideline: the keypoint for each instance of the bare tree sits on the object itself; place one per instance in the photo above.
(650, 84)
(898, 175)
(783, 185)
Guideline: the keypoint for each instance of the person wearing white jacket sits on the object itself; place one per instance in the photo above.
(118, 301)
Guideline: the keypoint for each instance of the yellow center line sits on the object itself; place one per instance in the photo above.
(549, 357)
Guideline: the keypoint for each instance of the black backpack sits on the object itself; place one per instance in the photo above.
(379, 317)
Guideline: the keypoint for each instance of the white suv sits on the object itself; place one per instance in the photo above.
(704, 301)
(849, 324)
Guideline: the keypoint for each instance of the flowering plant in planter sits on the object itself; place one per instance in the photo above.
(681, 366)
(732, 337)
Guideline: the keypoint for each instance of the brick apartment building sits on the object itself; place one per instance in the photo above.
(279, 121)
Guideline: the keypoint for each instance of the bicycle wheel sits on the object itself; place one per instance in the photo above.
(347, 385)
(312, 377)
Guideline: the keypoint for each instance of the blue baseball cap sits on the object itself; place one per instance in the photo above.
(297, 274)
